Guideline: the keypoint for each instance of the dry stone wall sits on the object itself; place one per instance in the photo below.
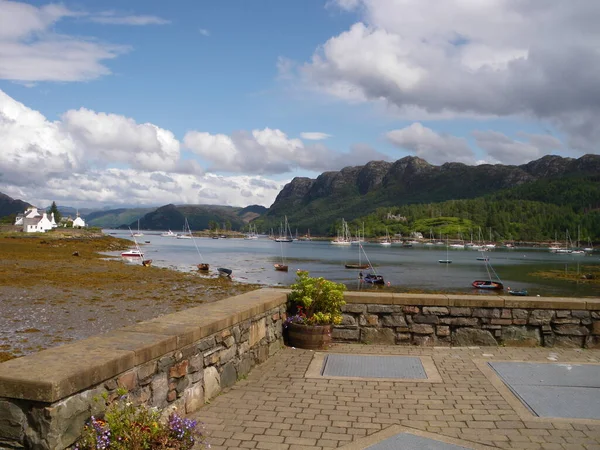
(469, 321)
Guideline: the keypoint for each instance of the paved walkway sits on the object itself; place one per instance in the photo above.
(277, 407)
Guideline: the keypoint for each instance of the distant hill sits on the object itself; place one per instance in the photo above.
(355, 192)
(116, 218)
(200, 217)
(10, 206)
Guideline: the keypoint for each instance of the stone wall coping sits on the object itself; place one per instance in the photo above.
(58, 372)
(477, 301)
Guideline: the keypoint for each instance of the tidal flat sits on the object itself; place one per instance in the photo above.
(49, 297)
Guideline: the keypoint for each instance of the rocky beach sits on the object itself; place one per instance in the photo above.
(49, 297)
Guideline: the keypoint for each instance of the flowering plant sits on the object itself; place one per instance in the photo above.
(315, 301)
(129, 427)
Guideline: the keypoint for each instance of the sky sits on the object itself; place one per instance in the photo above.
(145, 102)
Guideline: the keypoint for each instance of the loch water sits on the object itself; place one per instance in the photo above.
(406, 269)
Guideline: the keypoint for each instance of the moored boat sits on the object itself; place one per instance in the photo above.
(132, 254)
(147, 262)
(373, 279)
(488, 284)
(357, 266)
(203, 267)
(520, 292)
(224, 271)
(281, 267)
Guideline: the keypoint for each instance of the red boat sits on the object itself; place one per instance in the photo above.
(281, 267)
(488, 284)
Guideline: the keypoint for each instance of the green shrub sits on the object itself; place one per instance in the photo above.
(315, 301)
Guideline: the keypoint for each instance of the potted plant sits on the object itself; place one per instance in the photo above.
(313, 306)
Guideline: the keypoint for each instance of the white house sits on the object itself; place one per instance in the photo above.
(78, 222)
(33, 221)
(37, 224)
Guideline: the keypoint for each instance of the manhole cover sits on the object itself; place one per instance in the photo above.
(366, 366)
(407, 441)
(554, 390)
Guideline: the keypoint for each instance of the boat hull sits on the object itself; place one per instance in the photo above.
(224, 271)
(281, 267)
(488, 285)
(357, 266)
(203, 267)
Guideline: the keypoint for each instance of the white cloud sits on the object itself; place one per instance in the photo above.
(31, 51)
(505, 150)
(95, 159)
(113, 18)
(204, 32)
(118, 139)
(33, 148)
(433, 147)
(470, 58)
(268, 151)
(314, 135)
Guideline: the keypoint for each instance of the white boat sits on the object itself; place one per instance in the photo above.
(138, 233)
(386, 242)
(168, 234)
(183, 236)
(132, 254)
(283, 232)
(343, 237)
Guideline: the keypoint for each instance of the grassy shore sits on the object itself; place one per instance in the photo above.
(48, 296)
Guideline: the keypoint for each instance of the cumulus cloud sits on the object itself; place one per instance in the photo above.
(470, 58)
(433, 147)
(314, 135)
(114, 138)
(503, 149)
(268, 151)
(32, 147)
(95, 159)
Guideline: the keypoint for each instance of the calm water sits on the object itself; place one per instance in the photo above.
(405, 268)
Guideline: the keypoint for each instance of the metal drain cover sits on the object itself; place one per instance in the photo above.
(368, 366)
(554, 390)
(408, 441)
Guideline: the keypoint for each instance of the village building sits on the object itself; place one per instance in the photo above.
(78, 222)
(34, 221)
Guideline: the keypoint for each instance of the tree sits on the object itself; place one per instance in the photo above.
(54, 209)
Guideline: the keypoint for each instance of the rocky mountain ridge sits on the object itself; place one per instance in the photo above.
(355, 191)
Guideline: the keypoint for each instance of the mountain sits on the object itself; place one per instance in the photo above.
(357, 191)
(115, 218)
(200, 217)
(10, 206)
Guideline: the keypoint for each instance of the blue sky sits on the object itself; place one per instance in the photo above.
(150, 102)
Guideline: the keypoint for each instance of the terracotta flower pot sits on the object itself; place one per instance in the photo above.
(311, 337)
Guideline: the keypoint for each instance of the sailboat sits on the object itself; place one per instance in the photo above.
(386, 242)
(283, 233)
(252, 235)
(138, 233)
(489, 284)
(360, 265)
(447, 260)
(202, 266)
(343, 237)
(282, 267)
(136, 253)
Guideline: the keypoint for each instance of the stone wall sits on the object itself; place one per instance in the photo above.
(179, 360)
(444, 320)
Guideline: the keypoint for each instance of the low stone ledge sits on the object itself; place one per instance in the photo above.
(58, 372)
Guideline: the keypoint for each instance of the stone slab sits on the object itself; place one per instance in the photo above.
(367, 366)
(563, 402)
(547, 374)
(409, 441)
(557, 390)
